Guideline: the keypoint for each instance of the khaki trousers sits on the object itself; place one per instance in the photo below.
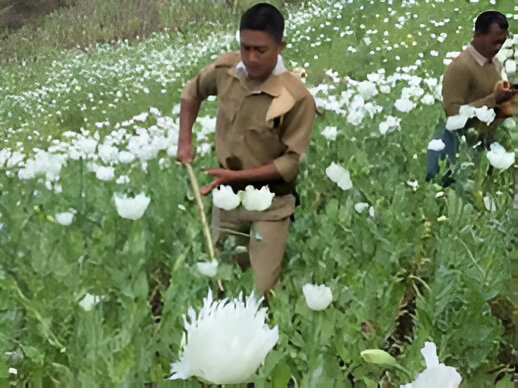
(262, 233)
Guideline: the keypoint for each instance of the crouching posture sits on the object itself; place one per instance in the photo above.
(264, 121)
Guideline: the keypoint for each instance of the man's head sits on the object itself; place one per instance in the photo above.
(261, 30)
(490, 33)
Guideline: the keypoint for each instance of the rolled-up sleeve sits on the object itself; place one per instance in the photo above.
(202, 85)
(298, 123)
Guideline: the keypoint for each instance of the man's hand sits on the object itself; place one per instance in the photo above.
(502, 95)
(221, 176)
(184, 154)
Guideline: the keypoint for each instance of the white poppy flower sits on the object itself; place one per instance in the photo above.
(367, 89)
(499, 157)
(404, 105)
(207, 268)
(339, 175)
(131, 208)
(105, 173)
(428, 99)
(467, 110)
(456, 122)
(330, 133)
(256, 200)
(89, 301)
(125, 157)
(226, 342)
(510, 66)
(509, 123)
(485, 114)
(64, 218)
(391, 123)
(413, 184)
(225, 198)
(436, 374)
(360, 207)
(317, 297)
(436, 145)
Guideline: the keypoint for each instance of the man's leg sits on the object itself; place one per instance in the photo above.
(267, 244)
(221, 230)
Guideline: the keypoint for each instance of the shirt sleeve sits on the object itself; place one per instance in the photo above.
(298, 123)
(455, 91)
(202, 85)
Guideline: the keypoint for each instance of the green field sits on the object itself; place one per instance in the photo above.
(419, 263)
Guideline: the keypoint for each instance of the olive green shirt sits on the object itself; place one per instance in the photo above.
(256, 124)
(470, 80)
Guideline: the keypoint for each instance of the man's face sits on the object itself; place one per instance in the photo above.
(259, 51)
(490, 44)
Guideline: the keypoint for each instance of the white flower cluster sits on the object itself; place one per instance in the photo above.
(484, 114)
(226, 342)
(251, 198)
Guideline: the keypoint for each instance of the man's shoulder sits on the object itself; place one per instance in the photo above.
(464, 59)
(294, 85)
(228, 59)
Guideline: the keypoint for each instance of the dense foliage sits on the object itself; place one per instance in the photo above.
(99, 300)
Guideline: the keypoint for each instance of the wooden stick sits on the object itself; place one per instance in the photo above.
(205, 224)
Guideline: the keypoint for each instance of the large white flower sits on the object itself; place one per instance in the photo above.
(339, 175)
(499, 157)
(258, 200)
(456, 122)
(225, 198)
(485, 114)
(436, 374)
(226, 342)
(131, 208)
(317, 297)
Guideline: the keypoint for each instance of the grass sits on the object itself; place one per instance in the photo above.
(82, 24)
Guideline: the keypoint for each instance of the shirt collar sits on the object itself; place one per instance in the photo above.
(278, 69)
(479, 58)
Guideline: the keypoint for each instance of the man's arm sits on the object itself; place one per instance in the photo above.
(455, 91)
(188, 112)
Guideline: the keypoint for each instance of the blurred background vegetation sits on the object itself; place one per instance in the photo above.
(33, 28)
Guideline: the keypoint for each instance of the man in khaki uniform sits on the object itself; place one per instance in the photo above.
(472, 76)
(264, 121)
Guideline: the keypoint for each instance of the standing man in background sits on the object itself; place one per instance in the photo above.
(264, 121)
(472, 76)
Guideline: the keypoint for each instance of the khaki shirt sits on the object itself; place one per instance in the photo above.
(471, 80)
(256, 126)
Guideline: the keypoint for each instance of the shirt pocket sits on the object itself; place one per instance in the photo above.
(264, 139)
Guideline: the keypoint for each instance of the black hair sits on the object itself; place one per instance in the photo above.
(487, 18)
(264, 17)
